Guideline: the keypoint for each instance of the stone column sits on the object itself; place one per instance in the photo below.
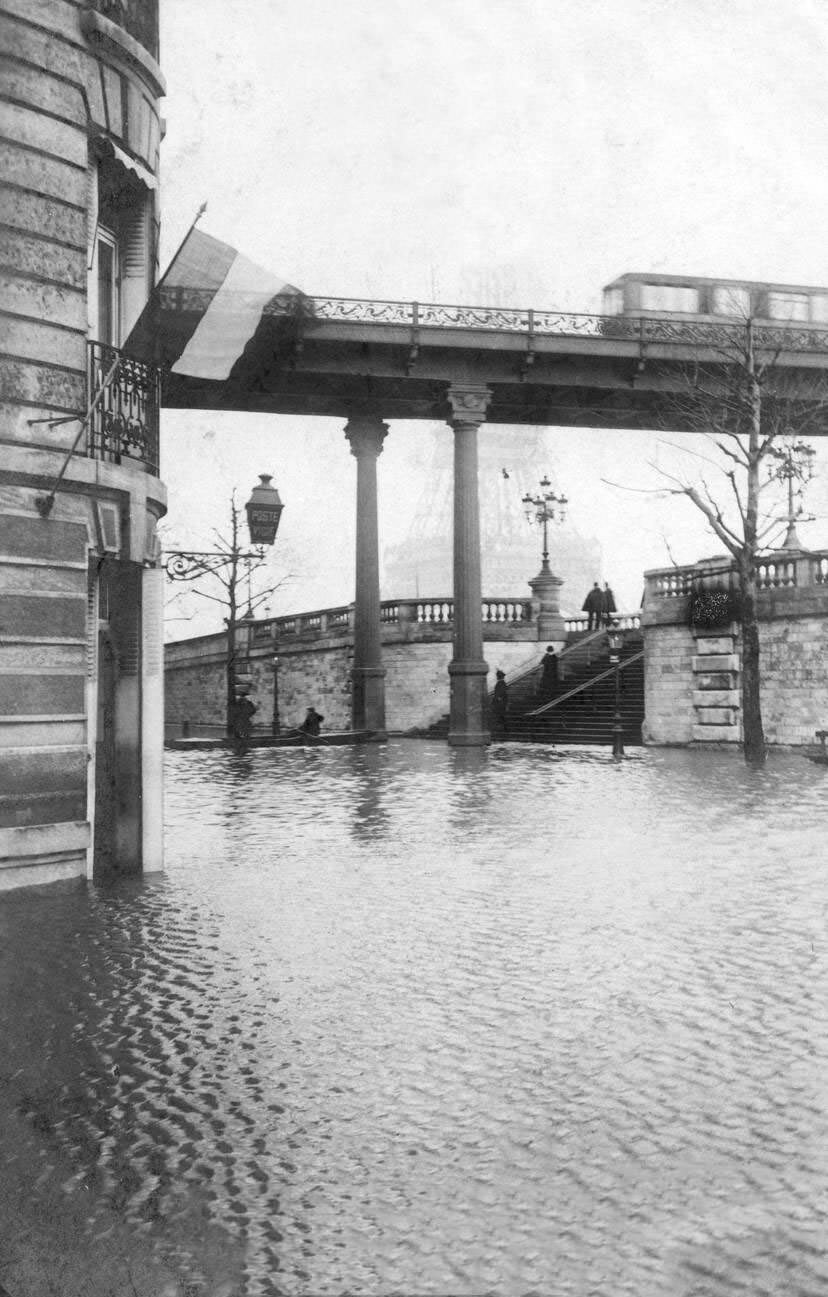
(366, 434)
(467, 669)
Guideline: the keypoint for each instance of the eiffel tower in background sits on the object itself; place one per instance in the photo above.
(511, 463)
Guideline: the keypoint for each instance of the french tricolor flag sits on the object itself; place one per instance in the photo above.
(206, 309)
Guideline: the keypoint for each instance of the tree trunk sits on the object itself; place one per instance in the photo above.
(753, 734)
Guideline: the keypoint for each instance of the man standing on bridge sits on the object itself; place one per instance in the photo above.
(607, 604)
(593, 606)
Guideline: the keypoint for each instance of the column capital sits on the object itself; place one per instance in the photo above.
(469, 402)
(366, 433)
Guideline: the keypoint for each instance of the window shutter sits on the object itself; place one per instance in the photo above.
(135, 256)
(91, 211)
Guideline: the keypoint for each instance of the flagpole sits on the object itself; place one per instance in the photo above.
(202, 209)
(152, 300)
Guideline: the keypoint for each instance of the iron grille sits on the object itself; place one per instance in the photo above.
(124, 422)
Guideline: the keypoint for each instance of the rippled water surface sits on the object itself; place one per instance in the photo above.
(406, 1019)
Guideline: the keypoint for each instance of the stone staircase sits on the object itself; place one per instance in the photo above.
(584, 709)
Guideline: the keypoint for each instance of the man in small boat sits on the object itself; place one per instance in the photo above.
(242, 717)
(312, 722)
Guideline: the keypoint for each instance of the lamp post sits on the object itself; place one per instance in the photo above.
(615, 636)
(543, 509)
(264, 510)
(275, 726)
(795, 463)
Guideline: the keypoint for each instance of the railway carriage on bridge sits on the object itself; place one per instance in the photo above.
(635, 296)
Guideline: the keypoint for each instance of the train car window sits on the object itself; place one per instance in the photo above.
(819, 308)
(731, 301)
(669, 297)
(613, 301)
(788, 306)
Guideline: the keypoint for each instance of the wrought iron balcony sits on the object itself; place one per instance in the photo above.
(124, 421)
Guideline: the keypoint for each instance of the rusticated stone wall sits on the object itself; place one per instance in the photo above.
(74, 88)
(692, 677)
(794, 679)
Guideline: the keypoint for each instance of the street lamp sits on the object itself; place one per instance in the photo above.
(264, 510)
(543, 509)
(795, 463)
(615, 637)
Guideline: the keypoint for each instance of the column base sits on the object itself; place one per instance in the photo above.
(467, 723)
(368, 699)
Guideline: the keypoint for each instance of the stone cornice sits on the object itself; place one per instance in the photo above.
(97, 28)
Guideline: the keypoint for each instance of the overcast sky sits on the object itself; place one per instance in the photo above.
(461, 150)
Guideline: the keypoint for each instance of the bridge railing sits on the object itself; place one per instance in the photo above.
(641, 329)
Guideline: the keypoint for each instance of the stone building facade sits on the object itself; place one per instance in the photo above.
(81, 673)
(692, 675)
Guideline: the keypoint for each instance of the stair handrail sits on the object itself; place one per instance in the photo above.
(587, 684)
(568, 648)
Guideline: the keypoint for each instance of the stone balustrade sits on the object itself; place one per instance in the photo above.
(787, 581)
(624, 620)
(413, 616)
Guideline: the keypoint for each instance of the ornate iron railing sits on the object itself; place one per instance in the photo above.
(643, 329)
(124, 422)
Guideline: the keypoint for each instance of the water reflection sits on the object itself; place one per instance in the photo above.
(370, 817)
(428, 1020)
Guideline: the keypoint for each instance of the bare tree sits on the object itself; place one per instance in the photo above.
(754, 413)
(230, 566)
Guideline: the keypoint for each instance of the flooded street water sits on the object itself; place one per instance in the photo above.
(404, 1019)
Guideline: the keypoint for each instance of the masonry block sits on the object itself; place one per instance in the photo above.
(714, 644)
(716, 662)
(716, 716)
(716, 698)
(715, 733)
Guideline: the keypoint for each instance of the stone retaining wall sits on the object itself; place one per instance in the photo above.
(416, 682)
(692, 677)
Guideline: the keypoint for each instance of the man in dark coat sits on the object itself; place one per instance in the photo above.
(593, 607)
(312, 722)
(500, 701)
(607, 604)
(549, 676)
(243, 711)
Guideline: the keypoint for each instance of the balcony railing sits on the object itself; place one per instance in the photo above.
(124, 420)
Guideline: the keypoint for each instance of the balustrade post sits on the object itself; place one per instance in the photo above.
(467, 669)
(366, 434)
